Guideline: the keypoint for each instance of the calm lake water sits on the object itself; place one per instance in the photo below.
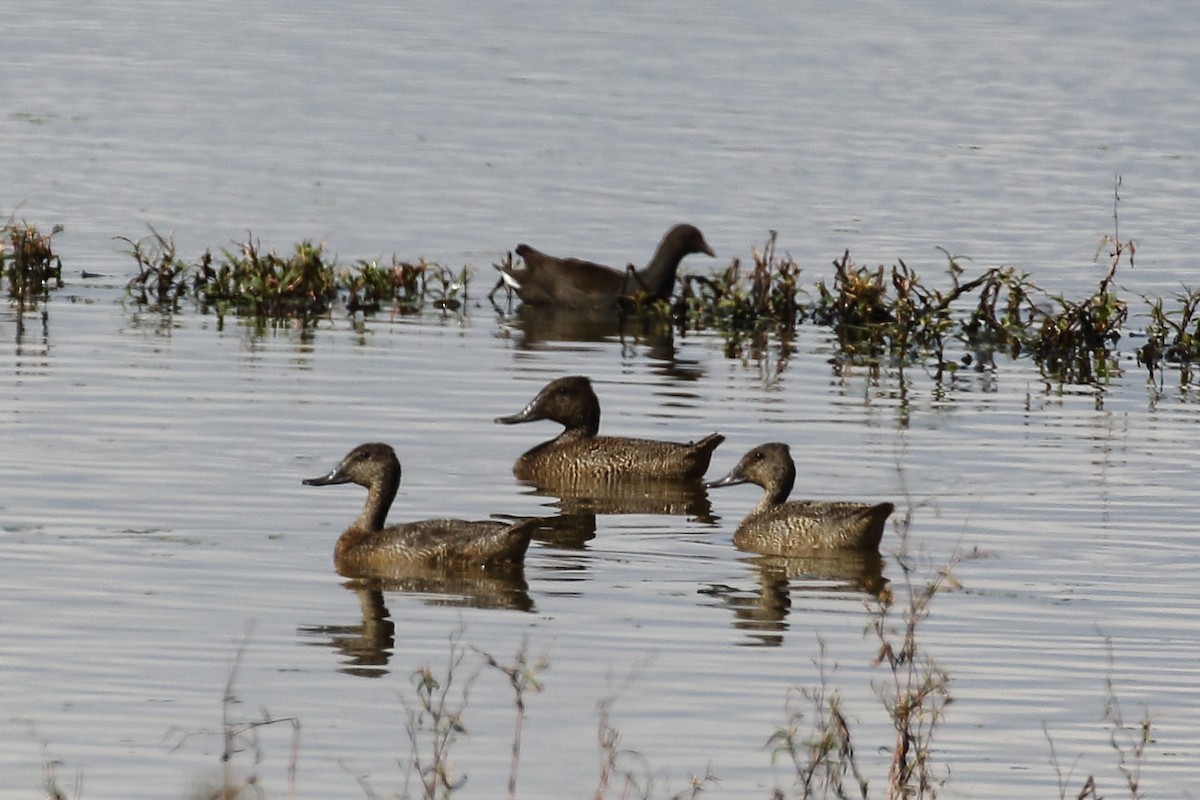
(152, 520)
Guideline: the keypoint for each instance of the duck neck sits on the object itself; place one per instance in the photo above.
(584, 424)
(777, 490)
(380, 494)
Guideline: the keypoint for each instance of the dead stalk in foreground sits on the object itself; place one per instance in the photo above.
(523, 678)
(240, 737)
(1128, 743)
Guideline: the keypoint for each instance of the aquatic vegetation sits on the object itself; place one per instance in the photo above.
(161, 278)
(914, 694)
(269, 289)
(1173, 336)
(264, 285)
(407, 286)
(725, 299)
(1076, 344)
(891, 315)
(28, 263)
(879, 317)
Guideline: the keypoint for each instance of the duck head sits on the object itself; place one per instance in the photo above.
(569, 401)
(375, 466)
(769, 466)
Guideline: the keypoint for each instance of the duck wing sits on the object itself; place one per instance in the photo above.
(431, 541)
(804, 526)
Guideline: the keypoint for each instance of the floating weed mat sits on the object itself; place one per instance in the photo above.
(891, 317)
(28, 263)
(1172, 336)
(301, 287)
(878, 316)
(766, 293)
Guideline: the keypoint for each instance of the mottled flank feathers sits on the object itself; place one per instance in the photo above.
(579, 452)
(367, 547)
(777, 527)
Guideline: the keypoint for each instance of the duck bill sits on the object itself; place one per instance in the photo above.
(734, 477)
(335, 477)
(529, 413)
(708, 251)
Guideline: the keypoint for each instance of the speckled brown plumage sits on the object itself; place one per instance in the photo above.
(578, 452)
(367, 547)
(550, 280)
(777, 527)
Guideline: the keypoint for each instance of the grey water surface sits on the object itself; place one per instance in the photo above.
(152, 520)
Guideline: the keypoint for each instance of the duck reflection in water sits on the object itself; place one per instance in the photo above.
(641, 335)
(762, 612)
(577, 496)
(368, 645)
(609, 474)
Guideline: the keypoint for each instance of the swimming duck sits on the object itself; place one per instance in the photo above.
(367, 547)
(578, 453)
(777, 527)
(549, 280)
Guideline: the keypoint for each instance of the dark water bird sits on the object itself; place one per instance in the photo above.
(368, 548)
(777, 527)
(578, 453)
(573, 282)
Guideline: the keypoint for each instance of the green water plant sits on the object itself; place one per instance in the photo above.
(162, 277)
(892, 315)
(28, 263)
(767, 292)
(303, 286)
(1173, 336)
(266, 286)
(1076, 343)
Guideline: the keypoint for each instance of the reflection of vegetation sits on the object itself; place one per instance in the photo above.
(28, 263)
(303, 286)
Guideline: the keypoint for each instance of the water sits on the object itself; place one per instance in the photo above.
(152, 520)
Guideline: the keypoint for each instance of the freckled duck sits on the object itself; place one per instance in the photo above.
(777, 527)
(368, 548)
(573, 282)
(578, 453)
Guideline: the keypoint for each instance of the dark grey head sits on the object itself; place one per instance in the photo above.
(569, 401)
(769, 465)
(365, 465)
